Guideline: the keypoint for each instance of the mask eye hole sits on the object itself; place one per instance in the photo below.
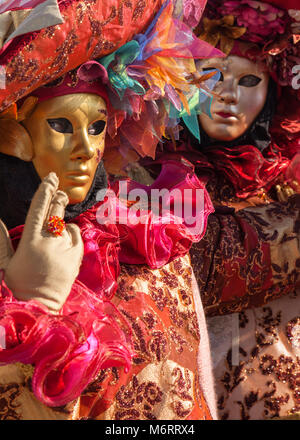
(96, 128)
(61, 125)
(249, 81)
(207, 69)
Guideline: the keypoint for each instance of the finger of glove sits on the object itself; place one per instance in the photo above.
(58, 205)
(39, 208)
(75, 236)
(6, 249)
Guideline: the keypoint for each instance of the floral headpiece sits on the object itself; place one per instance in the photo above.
(222, 32)
(275, 31)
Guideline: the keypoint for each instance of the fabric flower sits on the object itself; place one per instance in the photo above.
(116, 65)
(262, 20)
(295, 26)
(282, 61)
(221, 31)
(190, 11)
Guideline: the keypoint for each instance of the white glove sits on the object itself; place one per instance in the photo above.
(44, 266)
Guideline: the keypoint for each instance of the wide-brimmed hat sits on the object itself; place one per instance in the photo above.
(140, 51)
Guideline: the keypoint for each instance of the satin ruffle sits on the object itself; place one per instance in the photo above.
(67, 350)
(246, 168)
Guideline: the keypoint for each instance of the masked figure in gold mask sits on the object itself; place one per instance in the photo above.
(83, 336)
(247, 265)
(71, 144)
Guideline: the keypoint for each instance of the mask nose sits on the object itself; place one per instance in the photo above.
(83, 149)
(228, 92)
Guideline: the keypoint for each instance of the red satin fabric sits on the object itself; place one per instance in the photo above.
(245, 167)
(68, 349)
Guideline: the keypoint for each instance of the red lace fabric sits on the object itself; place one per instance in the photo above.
(89, 334)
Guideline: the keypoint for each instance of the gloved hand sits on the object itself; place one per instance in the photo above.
(44, 267)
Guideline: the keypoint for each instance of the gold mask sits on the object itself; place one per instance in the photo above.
(68, 136)
(242, 91)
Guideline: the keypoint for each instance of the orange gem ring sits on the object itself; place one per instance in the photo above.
(56, 225)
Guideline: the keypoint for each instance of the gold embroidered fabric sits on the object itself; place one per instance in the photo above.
(257, 374)
(249, 257)
(164, 380)
(248, 271)
(17, 402)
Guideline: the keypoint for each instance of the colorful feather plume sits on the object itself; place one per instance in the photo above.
(152, 80)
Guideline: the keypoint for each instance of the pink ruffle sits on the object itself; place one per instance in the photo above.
(15, 5)
(68, 350)
(168, 234)
(155, 241)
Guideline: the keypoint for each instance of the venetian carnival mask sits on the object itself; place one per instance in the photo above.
(68, 136)
(242, 91)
